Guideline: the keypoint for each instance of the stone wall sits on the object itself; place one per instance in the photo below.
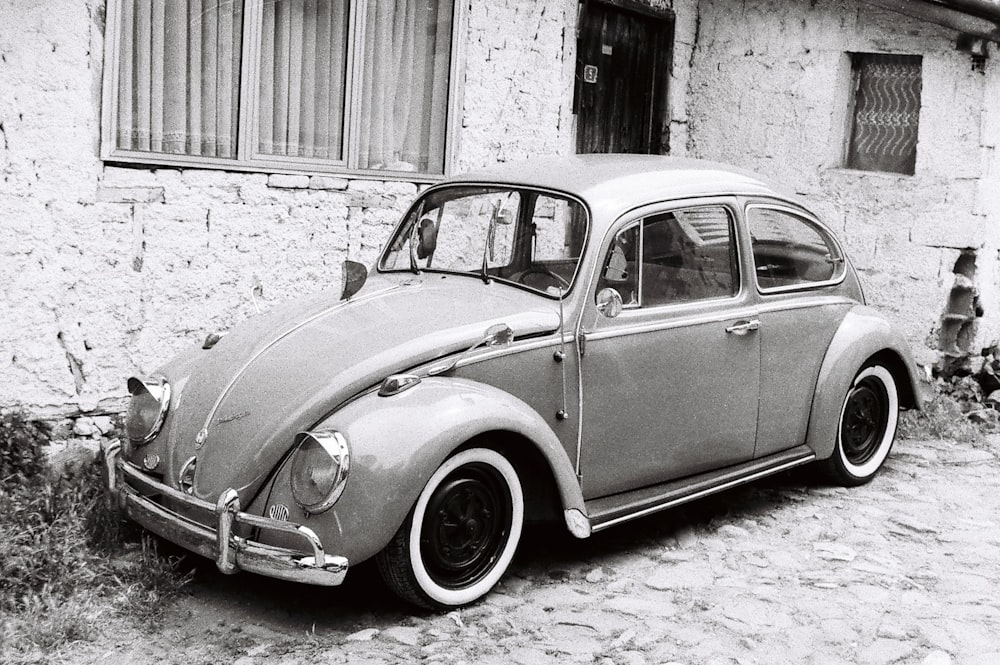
(107, 270)
(769, 91)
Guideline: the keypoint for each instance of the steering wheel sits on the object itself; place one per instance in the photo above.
(540, 270)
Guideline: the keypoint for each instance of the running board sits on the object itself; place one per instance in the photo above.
(617, 508)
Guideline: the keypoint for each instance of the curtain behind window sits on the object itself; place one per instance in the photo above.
(404, 95)
(180, 68)
(303, 74)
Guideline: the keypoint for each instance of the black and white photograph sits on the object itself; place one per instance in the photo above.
(500, 332)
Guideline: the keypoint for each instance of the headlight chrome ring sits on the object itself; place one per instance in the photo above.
(320, 466)
(147, 409)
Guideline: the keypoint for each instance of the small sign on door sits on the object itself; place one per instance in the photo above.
(590, 74)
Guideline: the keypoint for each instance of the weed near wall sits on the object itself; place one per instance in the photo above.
(67, 558)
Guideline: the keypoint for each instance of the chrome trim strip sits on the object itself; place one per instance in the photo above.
(736, 482)
(656, 326)
(739, 313)
(516, 347)
(226, 508)
(112, 450)
(817, 301)
(301, 324)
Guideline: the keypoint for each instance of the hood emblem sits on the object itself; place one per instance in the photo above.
(199, 440)
(233, 416)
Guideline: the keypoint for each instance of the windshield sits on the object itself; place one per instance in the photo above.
(515, 235)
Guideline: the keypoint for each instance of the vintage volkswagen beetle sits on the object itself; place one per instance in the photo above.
(584, 339)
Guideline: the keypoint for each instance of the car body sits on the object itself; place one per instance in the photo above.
(584, 339)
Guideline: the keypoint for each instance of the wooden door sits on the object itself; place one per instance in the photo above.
(621, 80)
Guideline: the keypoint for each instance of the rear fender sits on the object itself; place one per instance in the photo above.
(398, 442)
(863, 336)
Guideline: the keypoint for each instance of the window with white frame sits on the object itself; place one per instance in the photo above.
(316, 85)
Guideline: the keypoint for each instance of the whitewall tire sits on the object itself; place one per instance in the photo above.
(460, 535)
(867, 427)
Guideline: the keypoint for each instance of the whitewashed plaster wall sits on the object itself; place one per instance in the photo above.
(105, 271)
(769, 91)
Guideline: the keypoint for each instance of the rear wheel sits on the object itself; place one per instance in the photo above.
(461, 534)
(867, 427)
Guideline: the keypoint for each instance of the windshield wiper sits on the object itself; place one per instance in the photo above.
(491, 235)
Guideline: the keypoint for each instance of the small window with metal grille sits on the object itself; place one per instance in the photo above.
(886, 112)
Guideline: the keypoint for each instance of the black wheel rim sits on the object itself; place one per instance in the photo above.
(866, 415)
(466, 526)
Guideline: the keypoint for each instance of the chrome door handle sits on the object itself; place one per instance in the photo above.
(743, 327)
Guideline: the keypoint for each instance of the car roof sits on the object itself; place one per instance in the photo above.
(612, 184)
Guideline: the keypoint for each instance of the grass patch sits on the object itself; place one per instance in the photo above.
(941, 418)
(68, 561)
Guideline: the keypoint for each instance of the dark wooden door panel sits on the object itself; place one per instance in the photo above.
(621, 80)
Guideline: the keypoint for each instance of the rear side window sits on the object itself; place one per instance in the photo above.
(790, 251)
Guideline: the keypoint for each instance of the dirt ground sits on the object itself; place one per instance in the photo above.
(903, 570)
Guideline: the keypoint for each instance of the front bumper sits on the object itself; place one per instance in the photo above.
(137, 494)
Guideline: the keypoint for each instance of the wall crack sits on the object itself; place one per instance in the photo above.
(75, 364)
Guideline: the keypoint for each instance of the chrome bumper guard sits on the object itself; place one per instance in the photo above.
(230, 552)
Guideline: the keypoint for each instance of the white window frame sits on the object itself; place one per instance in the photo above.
(248, 157)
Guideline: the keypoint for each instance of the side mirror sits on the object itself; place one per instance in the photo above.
(354, 275)
(427, 234)
(609, 302)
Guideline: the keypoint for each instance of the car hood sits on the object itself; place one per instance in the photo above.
(239, 404)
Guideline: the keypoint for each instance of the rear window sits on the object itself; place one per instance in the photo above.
(790, 251)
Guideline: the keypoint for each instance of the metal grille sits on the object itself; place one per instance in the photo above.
(886, 112)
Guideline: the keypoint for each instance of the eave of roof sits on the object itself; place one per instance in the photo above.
(979, 18)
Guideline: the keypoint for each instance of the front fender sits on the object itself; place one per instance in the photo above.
(863, 334)
(398, 442)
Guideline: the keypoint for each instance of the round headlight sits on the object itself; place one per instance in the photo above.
(147, 409)
(320, 466)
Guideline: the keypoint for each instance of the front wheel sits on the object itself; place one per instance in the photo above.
(461, 534)
(867, 427)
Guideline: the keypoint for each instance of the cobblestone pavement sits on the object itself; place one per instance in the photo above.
(903, 570)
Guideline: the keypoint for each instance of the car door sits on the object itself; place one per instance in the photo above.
(670, 383)
(798, 267)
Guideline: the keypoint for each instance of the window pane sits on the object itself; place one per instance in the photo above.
(788, 250)
(457, 228)
(688, 255)
(523, 237)
(404, 91)
(620, 271)
(556, 233)
(558, 225)
(179, 75)
(886, 112)
(303, 75)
